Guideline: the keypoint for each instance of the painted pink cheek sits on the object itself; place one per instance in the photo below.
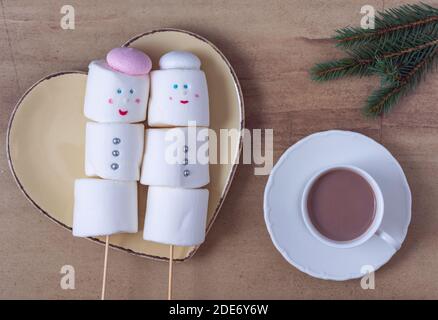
(110, 101)
(196, 95)
(137, 100)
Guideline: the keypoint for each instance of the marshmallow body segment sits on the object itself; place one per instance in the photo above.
(176, 157)
(179, 92)
(176, 216)
(104, 207)
(114, 96)
(114, 150)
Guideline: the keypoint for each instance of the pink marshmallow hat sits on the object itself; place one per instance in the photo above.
(129, 60)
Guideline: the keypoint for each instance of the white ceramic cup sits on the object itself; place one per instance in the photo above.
(373, 230)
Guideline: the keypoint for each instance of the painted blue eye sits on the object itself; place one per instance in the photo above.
(175, 86)
(131, 91)
(186, 86)
(119, 91)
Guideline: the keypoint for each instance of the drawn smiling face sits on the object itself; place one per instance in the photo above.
(181, 93)
(178, 96)
(180, 89)
(124, 100)
(112, 96)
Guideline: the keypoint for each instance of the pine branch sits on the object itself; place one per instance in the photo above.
(391, 25)
(410, 49)
(401, 51)
(339, 68)
(363, 62)
(405, 48)
(408, 78)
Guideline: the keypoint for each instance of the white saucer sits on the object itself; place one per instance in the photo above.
(283, 198)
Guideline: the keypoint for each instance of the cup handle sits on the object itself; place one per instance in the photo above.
(388, 239)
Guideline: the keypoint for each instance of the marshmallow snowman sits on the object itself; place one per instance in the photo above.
(175, 162)
(179, 92)
(176, 157)
(116, 97)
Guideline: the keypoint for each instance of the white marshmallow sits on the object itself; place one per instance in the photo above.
(104, 207)
(113, 96)
(166, 151)
(176, 216)
(114, 150)
(179, 92)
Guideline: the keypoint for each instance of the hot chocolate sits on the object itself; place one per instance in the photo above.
(341, 205)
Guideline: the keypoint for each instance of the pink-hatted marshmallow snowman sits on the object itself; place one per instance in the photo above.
(116, 98)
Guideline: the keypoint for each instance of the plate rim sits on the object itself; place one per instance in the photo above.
(230, 177)
(267, 207)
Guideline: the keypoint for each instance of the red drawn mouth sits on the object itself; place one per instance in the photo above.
(184, 101)
(123, 112)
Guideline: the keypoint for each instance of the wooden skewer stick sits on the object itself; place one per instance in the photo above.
(105, 262)
(169, 291)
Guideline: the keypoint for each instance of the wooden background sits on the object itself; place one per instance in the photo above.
(271, 45)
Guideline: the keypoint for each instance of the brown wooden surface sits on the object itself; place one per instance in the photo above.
(271, 45)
